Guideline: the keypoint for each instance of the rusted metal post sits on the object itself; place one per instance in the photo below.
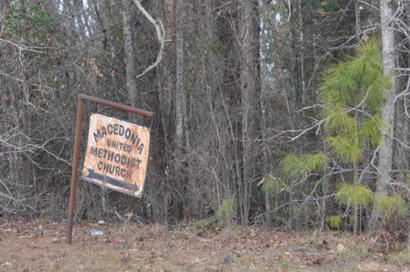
(118, 106)
(74, 168)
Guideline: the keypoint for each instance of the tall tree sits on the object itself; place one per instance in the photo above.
(180, 96)
(248, 84)
(389, 66)
(129, 56)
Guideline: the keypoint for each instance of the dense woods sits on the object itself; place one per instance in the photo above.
(290, 113)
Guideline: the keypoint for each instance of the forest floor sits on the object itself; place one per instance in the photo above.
(40, 246)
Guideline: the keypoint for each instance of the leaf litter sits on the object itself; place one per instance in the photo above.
(40, 246)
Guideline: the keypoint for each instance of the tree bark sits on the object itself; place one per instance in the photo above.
(264, 85)
(165, 78)
(180, 72)
(171, 19)
(129, 57)
(357, 16)
(248, 75)
(79, 16)
(386, 147)
(302, 55)
(180, 167)
(5, 7)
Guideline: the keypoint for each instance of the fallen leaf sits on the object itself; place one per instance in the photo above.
(340, 248)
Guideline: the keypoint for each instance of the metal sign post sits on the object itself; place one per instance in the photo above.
(77, 146)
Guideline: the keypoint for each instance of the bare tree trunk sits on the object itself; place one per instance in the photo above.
(171, 19)
(180, 113)
(302, 55)
(165, 78)
(248, 87)
(263, 75)
(403, 124)
(356, 207)
(5, 7)
(406, 129)
(355, 164)
(180, 72)
(325, 192)
(213, 78)
(129, 57)
(297, 45)
(79, 16)
(386, 147)
(357, 15)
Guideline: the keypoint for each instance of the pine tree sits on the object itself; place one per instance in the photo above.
(352, 93)
(352, 96)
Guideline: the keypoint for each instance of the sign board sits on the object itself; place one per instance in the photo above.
(116, 155)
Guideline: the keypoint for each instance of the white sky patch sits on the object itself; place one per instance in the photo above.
(278, 18)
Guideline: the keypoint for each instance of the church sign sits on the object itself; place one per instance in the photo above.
(117, 154)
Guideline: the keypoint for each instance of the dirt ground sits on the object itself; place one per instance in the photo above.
(40, 246)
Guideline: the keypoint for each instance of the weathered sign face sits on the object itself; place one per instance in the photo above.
(116, 155)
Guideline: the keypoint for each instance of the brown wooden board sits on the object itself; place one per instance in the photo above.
(116, 155)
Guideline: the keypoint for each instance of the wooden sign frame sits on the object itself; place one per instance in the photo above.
(77, 146)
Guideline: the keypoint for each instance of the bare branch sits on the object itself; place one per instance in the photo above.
(21, 47)
(12, 77)
(160, 36)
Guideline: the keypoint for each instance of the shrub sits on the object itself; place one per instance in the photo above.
(295, 166)
(272, 184)
(354, 194)
(393, 203)
(335, 221)
(228, 209)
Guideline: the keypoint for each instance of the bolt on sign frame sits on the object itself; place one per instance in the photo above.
(77, 145)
